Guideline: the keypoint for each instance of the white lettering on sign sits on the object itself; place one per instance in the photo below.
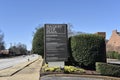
(51, 29)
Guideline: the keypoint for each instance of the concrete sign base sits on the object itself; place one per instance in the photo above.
(56, 64)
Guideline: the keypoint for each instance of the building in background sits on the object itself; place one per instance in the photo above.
(114, 42)
(101, 34)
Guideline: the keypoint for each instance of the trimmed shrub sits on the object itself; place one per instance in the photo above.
(108, 69)
(88, 49)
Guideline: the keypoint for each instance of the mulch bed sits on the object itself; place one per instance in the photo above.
(87, 72)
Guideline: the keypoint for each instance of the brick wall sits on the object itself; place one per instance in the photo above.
(114, 42)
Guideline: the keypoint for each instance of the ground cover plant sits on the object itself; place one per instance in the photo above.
(65, 69)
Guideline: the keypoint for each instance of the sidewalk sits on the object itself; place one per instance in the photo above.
(26, 71)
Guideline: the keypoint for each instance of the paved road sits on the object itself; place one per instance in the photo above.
(68, 78)
(8, 62)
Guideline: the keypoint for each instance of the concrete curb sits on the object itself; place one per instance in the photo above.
(40, 69)
(84, 76)
(14, 69)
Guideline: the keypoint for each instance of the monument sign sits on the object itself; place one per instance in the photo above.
(56, 42)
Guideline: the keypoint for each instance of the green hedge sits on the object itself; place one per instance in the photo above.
(88, 49)
(108, 69)
(113, 55)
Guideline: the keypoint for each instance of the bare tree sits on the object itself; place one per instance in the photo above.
(71, 32)
(19, 49)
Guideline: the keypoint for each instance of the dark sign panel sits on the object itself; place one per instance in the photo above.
(55, 42)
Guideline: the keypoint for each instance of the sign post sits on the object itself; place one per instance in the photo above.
(56, 42)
